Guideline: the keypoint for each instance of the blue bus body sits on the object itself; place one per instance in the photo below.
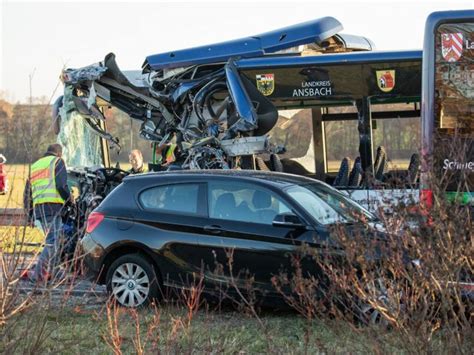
(254, 46)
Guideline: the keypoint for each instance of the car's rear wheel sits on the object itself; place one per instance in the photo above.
(132, 281)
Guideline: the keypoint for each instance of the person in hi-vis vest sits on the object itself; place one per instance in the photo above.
(46, 192)
(136, 161)
(166, 155)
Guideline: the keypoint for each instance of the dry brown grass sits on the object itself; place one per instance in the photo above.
(19, 236)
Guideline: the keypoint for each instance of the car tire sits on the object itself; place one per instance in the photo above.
(132, 281)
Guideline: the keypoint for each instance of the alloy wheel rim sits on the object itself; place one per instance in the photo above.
(130, 285)
(370, 314)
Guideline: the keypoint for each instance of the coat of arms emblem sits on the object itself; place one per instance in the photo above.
(451, 46)
(266, 83)
(386, 80)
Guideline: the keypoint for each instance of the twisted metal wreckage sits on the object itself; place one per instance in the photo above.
(197, 96)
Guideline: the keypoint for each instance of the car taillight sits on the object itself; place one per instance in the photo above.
(426, 198)
(93, 221)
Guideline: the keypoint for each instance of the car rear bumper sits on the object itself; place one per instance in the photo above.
(93, 255)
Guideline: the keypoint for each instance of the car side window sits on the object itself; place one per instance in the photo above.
(175, 198)
(244, 202)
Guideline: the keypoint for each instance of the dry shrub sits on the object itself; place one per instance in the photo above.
(27, 309)
(404, 287)
(151, 332)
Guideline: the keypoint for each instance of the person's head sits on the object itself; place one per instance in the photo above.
(55, 149)
(136, 159)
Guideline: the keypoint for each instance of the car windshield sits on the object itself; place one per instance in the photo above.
(327, 205)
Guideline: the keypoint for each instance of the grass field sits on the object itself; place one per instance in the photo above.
(167, 330)
(171, 329)
(17, 239)
(16, 175)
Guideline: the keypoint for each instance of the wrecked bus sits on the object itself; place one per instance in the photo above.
(305, 99)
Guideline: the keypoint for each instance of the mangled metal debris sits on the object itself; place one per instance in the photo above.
(196, 97)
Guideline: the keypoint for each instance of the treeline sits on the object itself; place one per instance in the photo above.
(25, 130)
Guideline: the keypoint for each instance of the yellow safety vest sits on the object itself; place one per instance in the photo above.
(141, 171)
(43, 181)
(170, 157)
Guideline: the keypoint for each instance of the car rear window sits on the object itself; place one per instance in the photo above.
(175, 198)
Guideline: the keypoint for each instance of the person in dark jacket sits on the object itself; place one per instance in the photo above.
(46, 193)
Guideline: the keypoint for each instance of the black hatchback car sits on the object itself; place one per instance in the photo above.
(166, 229)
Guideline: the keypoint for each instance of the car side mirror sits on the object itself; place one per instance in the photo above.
(288, 220)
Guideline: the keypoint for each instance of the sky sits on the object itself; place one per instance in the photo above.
(39, 38)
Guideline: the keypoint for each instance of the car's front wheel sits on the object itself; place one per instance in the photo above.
(132, 281)
(381, 305)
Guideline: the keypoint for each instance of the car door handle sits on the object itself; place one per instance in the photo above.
(213, 229)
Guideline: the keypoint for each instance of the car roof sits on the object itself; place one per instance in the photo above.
(271, 178)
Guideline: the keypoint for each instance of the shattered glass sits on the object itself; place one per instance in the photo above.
(81, 147)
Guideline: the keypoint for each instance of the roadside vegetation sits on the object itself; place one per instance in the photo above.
(168, 329)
